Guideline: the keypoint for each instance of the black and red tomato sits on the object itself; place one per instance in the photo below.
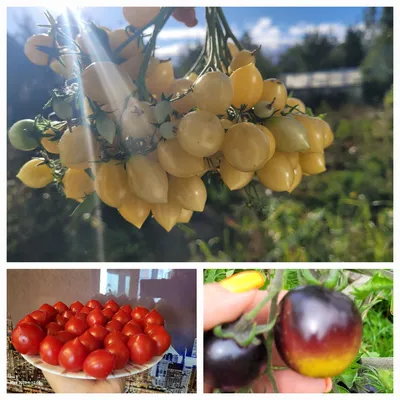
(318, 331)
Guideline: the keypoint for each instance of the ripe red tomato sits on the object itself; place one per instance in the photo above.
(121, 353)
(115, 337)
(108, 313)
(76, 306)
(49, 309)
(112, 304)
(26, 338)
(99, 332)
(81, 316)
(76, 326)
(86, 310)
(187, 15)
(64, 336)
(52, 328)
(60, 307)
(126, 308)
(96, 317)
(114, 325)
(68, 314)
(49, 349)
(41, 317)
(99, 364)
(90, 342)
(72, 355)
(136, 323)
(60, 320)
(26, 319)
(142, 348)
(162, 339)
(153, 317)
(122, 317)
(138, 313)
(131, 330)
(152, 328)
(94, 304)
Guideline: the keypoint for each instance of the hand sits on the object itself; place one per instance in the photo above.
(61, 384)
(222, 306)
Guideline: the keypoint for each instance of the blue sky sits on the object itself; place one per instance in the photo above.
(275, 28)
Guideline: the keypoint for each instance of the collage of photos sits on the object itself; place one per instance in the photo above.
(200, 200)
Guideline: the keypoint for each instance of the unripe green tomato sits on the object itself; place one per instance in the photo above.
(263, 109)
(62, 109)
(21, 135)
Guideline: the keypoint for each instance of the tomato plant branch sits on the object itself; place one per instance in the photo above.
(229, 33)
(309, 277)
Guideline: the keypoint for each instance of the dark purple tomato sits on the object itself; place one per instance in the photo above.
(318, 331)
(228, 366)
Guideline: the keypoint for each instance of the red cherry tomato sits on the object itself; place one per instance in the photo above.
(49, 349)
(49, 309)
(86, 310)
(114, 325)
(142, 348)
(152, 328)
(126, 308)
(68, 314)
(153, 317)
(76, 306)
(90, 342)
(52, 328)
(41, 317)
(27, 319)
(72, 355)
(131, 330)
(187, 15)
(76, 326)
(108, 313)
(94, 304)
(162, 339)
(112, 305)
(60, 320)
(115, 337)
(64, 336)
(26, 338)
(138, 313)
(81, 316)
(96, 317)
(99, 364)
(122, 317)
(60, 307)
(135, 323)
(99, 332)
(121, 353)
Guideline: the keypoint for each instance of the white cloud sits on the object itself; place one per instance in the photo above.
(174, 50)
(198, 32)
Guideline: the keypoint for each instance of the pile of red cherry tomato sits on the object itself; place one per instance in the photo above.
(94, 338)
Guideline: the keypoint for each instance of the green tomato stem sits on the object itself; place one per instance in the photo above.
(332, 279)
(309, 277)
(270, 338)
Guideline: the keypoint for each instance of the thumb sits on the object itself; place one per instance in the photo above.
(221, 305)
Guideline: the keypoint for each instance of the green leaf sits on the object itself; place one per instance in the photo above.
(87, 206)
(229, 273)
(377, 283)
(341, 389)
(106, 127)
(349, 376)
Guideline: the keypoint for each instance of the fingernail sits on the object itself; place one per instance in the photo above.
(328, 385)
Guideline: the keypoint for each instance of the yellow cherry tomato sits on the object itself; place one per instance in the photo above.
(177, 161)
(77, 184)
(136, 120)
(213, 92)
(190, 193)
(243, 281)
(245, 147)
(290, 135)
(140, 16)
(178, 88)
(111, 183)
(185, 216)
(134, 210)
(119, 36)
(77, 146)
(106, 83)
(49, 145)
(70, 62)
(274, 91)
(277, 174)
(192, 77)
(293, 157)
(298, 175)
(166, 214)
(232, 177)
(159, 77)
(200, 133)
(270, 138)
(132, 65)
(35, 55)
(293, 101)
(247, 86)
(315, 132)
(328, 134)
(35, 174)
(241, 58)
(233, 49)
(312, 163)
(226, 123)
(148, 179)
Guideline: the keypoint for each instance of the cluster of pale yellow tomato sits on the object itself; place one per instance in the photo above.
(265, 135)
